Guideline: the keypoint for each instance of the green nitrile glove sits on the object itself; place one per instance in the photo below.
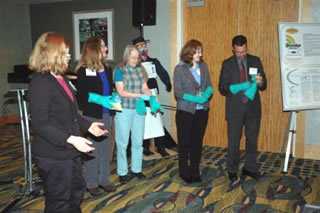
(235, 88)
(154, 104)
(141, 106)
(194, 98)
(115, 97)
(105, 101)
(145, 97)
(252, 90)
(208, 92)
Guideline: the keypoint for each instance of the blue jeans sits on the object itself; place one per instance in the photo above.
(126, 121)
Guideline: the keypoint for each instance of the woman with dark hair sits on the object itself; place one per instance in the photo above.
(56, 124)
(193, 90)
(94, 76)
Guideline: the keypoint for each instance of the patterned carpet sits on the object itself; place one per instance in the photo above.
(164, 191)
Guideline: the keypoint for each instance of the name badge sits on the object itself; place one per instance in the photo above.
(150, 69)
(253, 71)
(90, 72)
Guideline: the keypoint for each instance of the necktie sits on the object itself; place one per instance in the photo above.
(243, 77)
(243, 73)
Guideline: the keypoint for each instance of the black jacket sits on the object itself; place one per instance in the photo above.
(54, 117)
(86, 84)
(230, 74)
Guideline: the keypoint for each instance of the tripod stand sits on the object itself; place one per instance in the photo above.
(291, 139)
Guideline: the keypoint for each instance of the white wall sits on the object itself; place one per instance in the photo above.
(159, 47)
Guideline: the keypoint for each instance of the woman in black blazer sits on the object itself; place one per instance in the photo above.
(95, 76)
(56, 126)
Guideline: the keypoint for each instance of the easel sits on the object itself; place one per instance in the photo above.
(291, 139)
(26, 141)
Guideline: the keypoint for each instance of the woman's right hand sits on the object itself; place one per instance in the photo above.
(80, 143)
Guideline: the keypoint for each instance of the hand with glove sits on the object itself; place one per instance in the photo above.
(154, 104)
(235, 88)
(194, 98)
(252, 90)
(108, 102)
(140, 106)
(208, 92)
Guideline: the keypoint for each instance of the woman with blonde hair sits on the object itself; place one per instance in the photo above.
(130, 79)
(56, 126)
(95, 77)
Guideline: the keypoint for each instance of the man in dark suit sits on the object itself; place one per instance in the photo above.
(245, 72)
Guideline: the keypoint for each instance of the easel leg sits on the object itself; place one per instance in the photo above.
(291, 139)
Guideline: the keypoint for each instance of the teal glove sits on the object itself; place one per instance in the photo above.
(194, 98)
(208, 92)
(154, 104)
(105, 101)
(116, 97)
(235, 88)
(252, 90)
(145, 97)
(141, 106)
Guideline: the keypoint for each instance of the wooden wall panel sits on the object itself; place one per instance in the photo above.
(215, 24)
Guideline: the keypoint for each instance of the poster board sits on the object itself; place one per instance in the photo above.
(299, 45)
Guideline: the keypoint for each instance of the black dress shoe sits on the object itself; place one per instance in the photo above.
(163, 152)
(124, 178)
(254, 175)
(234, 181)
(232, 176)
(109, 188)
(94, 191)
(147, 152)
(138, 175)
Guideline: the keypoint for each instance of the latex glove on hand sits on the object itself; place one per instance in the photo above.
(235, 88)
(108, 102)
(250, 93)
(145, 97)
(154, 105)
(208, 92)
(194, 98)
(140, 106)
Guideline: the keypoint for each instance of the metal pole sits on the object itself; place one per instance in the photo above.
(291, 139)
(23, 134)
(28, 144)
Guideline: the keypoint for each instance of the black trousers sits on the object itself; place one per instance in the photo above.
(64, 185)
(190, 132)
(251, 126)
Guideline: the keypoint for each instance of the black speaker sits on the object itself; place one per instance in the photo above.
(143, 12)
